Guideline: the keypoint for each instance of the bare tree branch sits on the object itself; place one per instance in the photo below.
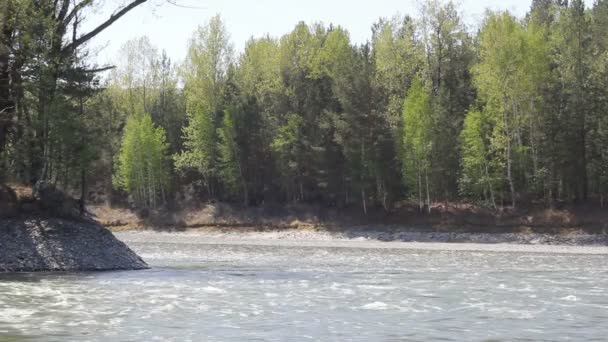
(174, 3)
(85, 38)
(102, 69)
(75, 10)
(6, 109)
(63, 11)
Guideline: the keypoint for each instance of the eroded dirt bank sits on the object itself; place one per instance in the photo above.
(583, 225)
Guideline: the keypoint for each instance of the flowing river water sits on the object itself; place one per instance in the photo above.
(219, 288)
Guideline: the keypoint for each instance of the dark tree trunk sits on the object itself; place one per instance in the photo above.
(7, 107)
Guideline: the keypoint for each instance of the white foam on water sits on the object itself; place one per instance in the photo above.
(214, 290)
(202, 308)
(570, 298)
(347, 291)
(375, 306)
(376, 287)
(16, 314)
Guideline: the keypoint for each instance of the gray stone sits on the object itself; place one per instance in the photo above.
(30, 245)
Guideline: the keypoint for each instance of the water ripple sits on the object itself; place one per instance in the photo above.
(223, 292)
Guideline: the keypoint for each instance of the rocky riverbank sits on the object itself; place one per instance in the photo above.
(148, 242)
(51, 244)
(248, 234)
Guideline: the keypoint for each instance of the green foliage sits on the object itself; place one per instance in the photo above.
(449, 55)
(142, 168)
(598, 101)
(427, 109)
(416, 138)
(510, 76)
(398, 56)
(231, 152)
(479, 178)
(259, 70)
(200, 143)
(287, 146)
(357, 128)
(204, 73)
(205, 67)
(570, 41)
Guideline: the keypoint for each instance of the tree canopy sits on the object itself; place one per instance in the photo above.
(426, 110)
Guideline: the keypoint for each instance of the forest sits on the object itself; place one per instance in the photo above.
(510, 113)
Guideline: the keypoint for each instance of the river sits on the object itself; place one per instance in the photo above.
(220, 288)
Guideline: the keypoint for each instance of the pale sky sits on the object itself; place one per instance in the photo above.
(169, 27)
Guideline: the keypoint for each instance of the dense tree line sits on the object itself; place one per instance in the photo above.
(426, 110)
(49, 124)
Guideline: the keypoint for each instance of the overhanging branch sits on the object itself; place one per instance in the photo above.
(75, 10)
(85, 38)
(102, 69)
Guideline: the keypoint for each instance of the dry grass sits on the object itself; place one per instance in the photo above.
(119, 218)
(24, 193)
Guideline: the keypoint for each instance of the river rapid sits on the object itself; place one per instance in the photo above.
(218, 287)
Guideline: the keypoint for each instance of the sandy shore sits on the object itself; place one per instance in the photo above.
(297, 238)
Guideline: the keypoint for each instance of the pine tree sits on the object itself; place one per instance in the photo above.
(233, 152)
(287, 147)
